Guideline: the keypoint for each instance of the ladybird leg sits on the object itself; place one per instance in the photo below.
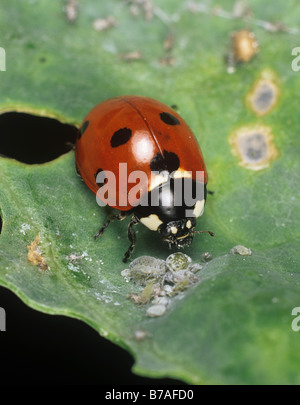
(78, 172)
(131, 237)
(210, 232)
(118, 216)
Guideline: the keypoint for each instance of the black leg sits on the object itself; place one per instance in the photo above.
(119, 217)
(131, 237)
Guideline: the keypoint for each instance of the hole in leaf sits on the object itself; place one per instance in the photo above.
(33, 139)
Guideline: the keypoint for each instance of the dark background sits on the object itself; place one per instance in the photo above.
(37, 348)
(51, 349)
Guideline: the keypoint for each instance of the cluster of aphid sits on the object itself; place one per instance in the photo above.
(159, 280)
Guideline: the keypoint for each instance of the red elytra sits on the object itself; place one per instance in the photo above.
(150, 137)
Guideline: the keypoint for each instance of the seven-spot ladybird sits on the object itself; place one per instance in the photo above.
(132, 137)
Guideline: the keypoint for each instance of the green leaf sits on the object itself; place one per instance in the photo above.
(234, 326)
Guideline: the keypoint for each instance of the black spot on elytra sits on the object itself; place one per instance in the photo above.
(169, 119)
(103, 180)
(120, 137)
(83, 128)
(168, 161)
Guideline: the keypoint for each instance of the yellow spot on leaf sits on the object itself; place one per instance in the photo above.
(244, 45)
(34, 255)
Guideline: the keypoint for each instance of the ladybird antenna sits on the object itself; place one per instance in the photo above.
(211, 233)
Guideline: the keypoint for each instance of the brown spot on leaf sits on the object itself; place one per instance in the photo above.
(167, 60)
(244, 45)
(131, 56)
(243, 48)
(254, 146)
(103, 24)
(71, 10)
(169, 42)
(35, 256)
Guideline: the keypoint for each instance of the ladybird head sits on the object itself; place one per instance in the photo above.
(174, 221)
(179, 232)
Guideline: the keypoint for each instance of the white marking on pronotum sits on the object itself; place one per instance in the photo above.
(181, 173)
(199, 208)
(158, 178)
(174, 230)
(188, 224)
(152, 222)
